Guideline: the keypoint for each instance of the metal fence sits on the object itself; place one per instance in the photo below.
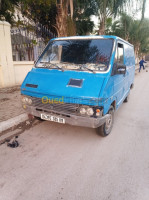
(28, 41)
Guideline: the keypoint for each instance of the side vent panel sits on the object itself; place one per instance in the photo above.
(31, 85)
(75, 82)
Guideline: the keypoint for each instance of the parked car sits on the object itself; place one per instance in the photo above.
(80, 81)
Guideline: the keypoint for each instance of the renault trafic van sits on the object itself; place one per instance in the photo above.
(80, 81)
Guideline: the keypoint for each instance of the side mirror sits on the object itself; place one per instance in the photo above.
(120, 68)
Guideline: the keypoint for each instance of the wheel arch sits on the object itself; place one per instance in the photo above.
(114, 104)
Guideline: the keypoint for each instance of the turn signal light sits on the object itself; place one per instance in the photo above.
(97, 112)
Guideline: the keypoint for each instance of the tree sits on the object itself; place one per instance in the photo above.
(62, 17)
(121, 27)
(139, 36)
(7, 10)
(83, 10)
(65, 25)
(110, 8)
(129, 29)
(41, 11)
(73, 17)
(107, 9)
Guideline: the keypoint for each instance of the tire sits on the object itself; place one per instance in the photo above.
(126, 99)
(106, 128)
(38, 118)
(132, 86)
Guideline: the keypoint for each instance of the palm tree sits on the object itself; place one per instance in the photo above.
(108, 8)
(73, 17)
(83, 10)
(121, 27)
(130, 30)
(64, 18)
(139, 36)
(65, 24)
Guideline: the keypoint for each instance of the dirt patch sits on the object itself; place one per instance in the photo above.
(10, 89)
(4, 99)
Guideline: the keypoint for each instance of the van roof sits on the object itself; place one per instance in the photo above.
(92, 37)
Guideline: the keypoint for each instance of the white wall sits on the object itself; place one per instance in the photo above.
(6, 64)
(11, 73)
(21, 68)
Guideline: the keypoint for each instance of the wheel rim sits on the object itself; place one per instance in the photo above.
(108, 123)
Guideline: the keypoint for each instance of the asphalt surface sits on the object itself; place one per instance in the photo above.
(56, 161)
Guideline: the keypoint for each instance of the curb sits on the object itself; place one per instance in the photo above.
(13, 122)
(17, 129)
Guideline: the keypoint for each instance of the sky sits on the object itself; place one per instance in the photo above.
(138, 14)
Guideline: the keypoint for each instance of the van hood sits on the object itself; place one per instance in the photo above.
(72, 84)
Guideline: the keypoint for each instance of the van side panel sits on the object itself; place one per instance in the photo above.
(129, 61)
(117, 87)
(118, 81)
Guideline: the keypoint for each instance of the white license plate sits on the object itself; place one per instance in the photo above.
(53, 118)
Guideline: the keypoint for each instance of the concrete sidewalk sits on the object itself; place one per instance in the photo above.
(11, 111)
(10, 104)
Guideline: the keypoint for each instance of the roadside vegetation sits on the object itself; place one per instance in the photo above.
(73, 17)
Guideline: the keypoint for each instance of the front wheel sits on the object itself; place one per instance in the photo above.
(106, 128)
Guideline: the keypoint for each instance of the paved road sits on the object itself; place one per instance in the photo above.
(57, 161)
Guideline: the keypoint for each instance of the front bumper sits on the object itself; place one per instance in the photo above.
(70, 119)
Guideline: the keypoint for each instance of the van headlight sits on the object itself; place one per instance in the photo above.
(23, 99)
(89, 111)
(26, 100)
(84, 110)
(29, 101)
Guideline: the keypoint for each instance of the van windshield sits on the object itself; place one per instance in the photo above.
(77, 54)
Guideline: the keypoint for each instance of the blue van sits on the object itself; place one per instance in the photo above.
(80, 81)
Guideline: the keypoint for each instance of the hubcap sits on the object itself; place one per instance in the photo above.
(108, 122)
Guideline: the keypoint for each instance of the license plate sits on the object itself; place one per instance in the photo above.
(53, 118)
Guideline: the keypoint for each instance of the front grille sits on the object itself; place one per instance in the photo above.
(67, 108)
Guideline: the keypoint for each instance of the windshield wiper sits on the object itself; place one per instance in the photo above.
(85, 67)
(51, 65)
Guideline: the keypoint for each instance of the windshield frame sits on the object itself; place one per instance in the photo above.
(75, 38)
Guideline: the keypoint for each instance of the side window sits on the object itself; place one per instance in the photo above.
(120, 53)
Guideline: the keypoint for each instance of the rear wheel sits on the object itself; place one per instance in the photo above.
(132, 86)
(106, 128)
(127, 98)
